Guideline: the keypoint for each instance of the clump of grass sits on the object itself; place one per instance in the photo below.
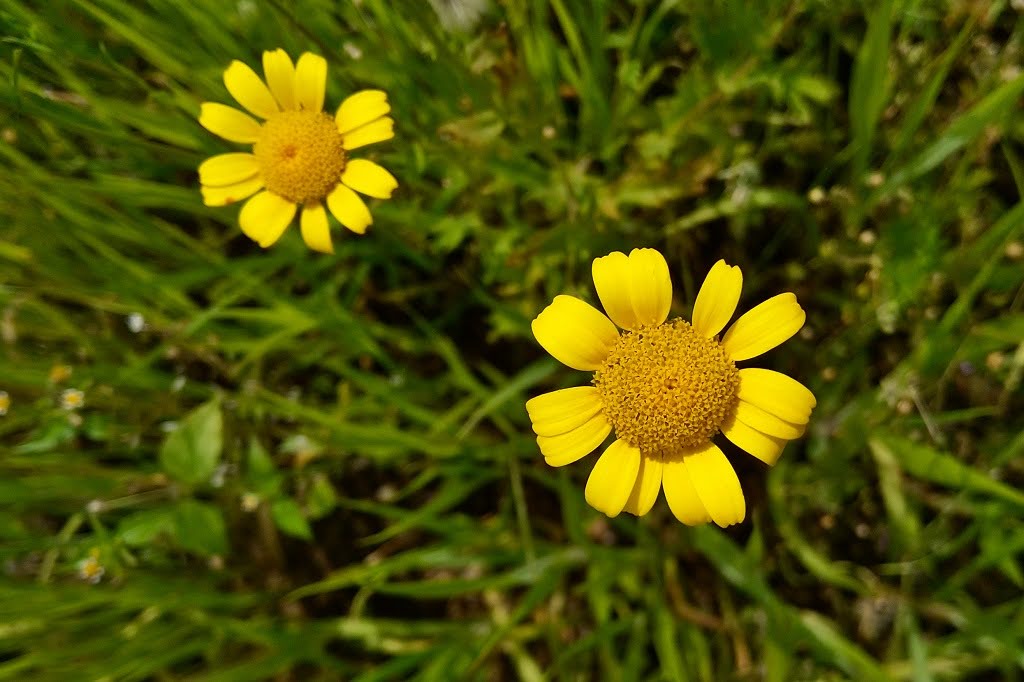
(309, 467)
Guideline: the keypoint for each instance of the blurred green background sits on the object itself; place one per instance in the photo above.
(289, 466)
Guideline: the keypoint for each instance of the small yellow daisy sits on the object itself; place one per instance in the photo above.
(666, 388)
(299, 152)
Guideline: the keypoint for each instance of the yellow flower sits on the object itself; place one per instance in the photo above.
(300, 154)
(60, 373)
(666, 388)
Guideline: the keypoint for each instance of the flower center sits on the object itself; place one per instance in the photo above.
(667, 387)
(300, 155)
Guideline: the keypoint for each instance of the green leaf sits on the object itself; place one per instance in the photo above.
(989, 111)
(869, 89)
(260, 474)
(905, 525)
(142, 527)
(321, 498)
(943, 469)
(200, 528)
(288, 517)
(925, 101)
(191, 453)
(666, 644)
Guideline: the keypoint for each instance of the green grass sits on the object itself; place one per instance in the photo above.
(353, 490)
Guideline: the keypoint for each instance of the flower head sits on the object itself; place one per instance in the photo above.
(300, 154)
(5, 403)
(60, 373)
(71, 399)
(90, 569)
(666, 388)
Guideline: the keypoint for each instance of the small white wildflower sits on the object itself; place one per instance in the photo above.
(90, 569)
(352, 50)
(72, 399)
(136, 322)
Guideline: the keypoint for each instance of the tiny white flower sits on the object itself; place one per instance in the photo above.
(72, 399)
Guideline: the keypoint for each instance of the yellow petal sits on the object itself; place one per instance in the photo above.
(368, 178)
(378, 131)
(764, 327)
(249, 90)
(311, 81)
(776, 393)
(228, 122)
(265, 217)
(680, 494)
(717, 298)
(612, 279)
(568, 447)
(229, 194)
(575, 333)
(227, 169)
(766, 423)
(361, 108)
(280, 74)
(650, 286)
(349, 209)
(647, 486)
(612, 478)
(716, 484)
(766, 448)
(561, 411)
(315, 231)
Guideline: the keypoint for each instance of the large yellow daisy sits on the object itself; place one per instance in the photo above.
(299, 152)
(666, 387)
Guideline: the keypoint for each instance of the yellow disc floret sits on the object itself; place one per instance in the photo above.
(667, 387)
(300, 155)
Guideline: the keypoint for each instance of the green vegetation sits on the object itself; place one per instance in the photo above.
(352, 490)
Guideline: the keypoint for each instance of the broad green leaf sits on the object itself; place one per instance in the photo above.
(191, 452)
(200, 528)
(142, 527)
(288, 517)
